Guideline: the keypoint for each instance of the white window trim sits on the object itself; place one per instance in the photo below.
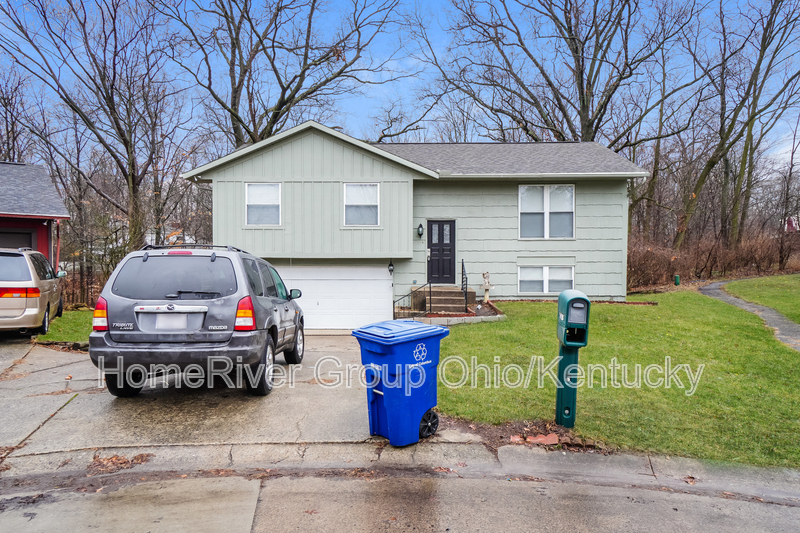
(545, 277)
(247, 202)
(344, 206)
(546, 207)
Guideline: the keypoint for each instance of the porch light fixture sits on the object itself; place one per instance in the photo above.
(420, 231)
(391, 267)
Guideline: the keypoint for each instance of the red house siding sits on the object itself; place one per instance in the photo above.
(42, 227)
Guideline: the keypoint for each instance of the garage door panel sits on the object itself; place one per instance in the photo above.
(338, 297)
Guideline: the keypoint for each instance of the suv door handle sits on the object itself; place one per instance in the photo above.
(285, 307)
(274, 308)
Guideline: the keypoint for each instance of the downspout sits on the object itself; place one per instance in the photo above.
(58, 242)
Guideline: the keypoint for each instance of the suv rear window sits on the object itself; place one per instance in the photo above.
(179, 276)
(14, 267)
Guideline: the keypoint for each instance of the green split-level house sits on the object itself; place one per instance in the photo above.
(333, 213)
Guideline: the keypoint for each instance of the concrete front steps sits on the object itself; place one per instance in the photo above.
(450, 299)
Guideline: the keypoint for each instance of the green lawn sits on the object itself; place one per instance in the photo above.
(746, 408)
(781, 293)
(73, 326)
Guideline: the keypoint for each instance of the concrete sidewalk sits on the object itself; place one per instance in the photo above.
(302, 459)
(786, 331)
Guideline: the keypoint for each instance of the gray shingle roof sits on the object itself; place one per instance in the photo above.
(515, 158)
(28, 190)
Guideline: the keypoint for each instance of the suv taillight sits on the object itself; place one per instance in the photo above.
(245, 321)
(100, 320)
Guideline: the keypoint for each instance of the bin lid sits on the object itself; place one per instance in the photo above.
(397, 331)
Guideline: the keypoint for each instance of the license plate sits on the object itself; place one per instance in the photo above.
(171, 321)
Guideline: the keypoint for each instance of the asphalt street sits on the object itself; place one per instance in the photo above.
(302, 459)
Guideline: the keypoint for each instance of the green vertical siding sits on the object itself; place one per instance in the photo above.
(487, 227)
(312, 168)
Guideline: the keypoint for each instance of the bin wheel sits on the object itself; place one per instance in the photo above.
(429, 424)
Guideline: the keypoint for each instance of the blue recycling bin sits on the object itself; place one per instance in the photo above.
(401, 359)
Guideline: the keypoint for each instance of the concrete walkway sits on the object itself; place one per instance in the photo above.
(786, 331)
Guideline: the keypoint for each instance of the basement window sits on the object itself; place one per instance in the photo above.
(545, 279)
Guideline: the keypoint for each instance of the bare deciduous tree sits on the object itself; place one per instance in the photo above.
(555, 68)
(99, 58)
(765, 80)
(281, 60)
(15, 140)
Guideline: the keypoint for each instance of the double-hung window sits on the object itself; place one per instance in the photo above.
(361, 204)
(263, 204)
(546, 211)
(545, 279)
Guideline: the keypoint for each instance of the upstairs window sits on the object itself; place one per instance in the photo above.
(546, 211)
(361, 206)
(263, 204)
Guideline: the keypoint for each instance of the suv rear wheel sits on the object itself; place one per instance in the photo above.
(295, 355)
(126, 390)
(45, 327)
(264, 384)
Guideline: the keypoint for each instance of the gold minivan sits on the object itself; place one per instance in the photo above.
(30, 291)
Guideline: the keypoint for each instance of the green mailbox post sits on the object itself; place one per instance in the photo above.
(573, 333)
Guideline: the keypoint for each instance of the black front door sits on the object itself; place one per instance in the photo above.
(442, 251)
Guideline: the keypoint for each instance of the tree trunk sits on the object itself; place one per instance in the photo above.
(690, 203)
(747, 159)
(136, 223)
(724, 214)
(748, 192)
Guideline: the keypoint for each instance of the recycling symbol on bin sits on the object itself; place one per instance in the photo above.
(420, 352)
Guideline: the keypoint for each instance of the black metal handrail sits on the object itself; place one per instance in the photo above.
(464, 285)
(399, 310)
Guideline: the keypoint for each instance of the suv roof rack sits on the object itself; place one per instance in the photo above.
(166, 246)
(25, 249)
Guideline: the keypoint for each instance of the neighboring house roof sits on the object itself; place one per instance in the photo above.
(28, 191)
(196, 174)
(574, 159)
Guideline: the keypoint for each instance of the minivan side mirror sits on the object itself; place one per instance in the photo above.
(294, 294)
(61, 274)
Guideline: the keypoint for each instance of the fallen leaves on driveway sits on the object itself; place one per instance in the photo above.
(222, 472)
(115, 463)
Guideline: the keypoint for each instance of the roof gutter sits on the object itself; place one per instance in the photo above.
(41, 217)
(551, 175)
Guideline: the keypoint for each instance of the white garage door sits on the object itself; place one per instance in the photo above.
(341, 297)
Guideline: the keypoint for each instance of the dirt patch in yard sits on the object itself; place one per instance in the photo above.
(72, 347)
(593, 302)
(519, 432)
(481, 309)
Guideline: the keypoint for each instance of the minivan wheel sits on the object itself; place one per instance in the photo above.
(295, 355)
(265, 378)
(126, 390)
(45, 327)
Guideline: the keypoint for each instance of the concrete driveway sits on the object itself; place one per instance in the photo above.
(302, 459)
(304, 410)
